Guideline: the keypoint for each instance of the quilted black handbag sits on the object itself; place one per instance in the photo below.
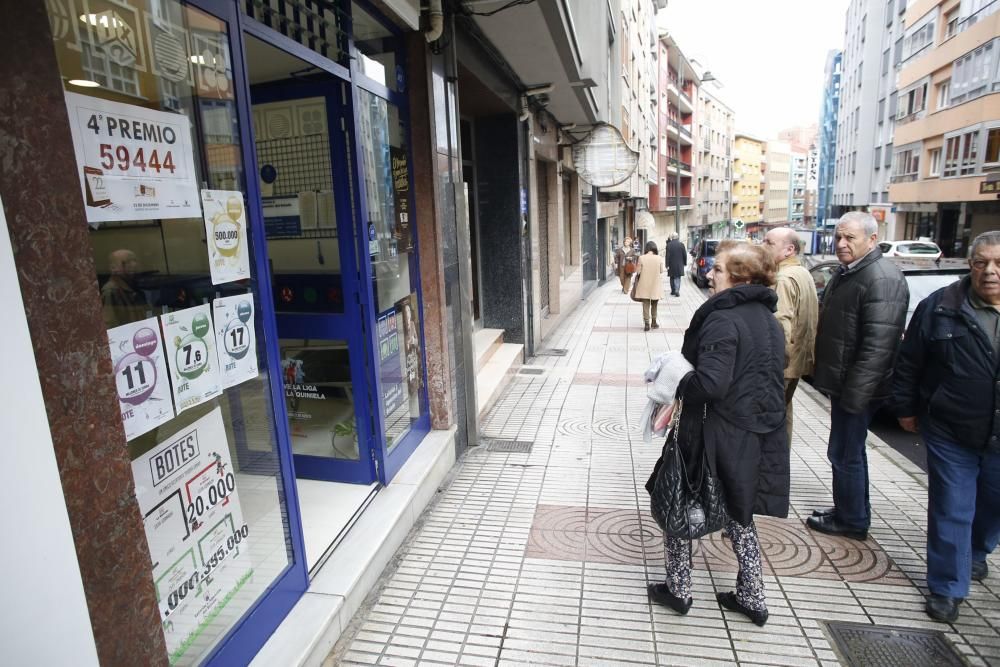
(684, 508)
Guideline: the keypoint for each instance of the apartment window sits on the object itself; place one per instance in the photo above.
(878, 158)
(892, 105)
(889, 12)
(913, 101)
(897, 52)
(974, 11)
(951, 24)
(854, 161)
(975, 74)
(885, 61)
(943, 94)
(907, 165)
(934, 163)
(960, 153)
(919, 37)
(991, 157)
(888, 155)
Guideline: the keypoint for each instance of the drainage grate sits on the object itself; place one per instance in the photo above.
(864, 645)
(552, 352)
(510, 446)
(531, 371)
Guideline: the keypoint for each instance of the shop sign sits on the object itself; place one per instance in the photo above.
(989, 187)
(401, 197)
(226, 235)
(282, 217)
(236, 339)
(603, 158)
(134, 163)
(197, 536)
(140, 376)
(191, 356)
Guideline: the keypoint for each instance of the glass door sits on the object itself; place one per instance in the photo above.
(301, 148)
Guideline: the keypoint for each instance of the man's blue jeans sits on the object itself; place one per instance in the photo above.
(963, 513)
(849, 459)
(675, 285)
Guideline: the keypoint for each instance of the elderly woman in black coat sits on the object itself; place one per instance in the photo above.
(734, 407)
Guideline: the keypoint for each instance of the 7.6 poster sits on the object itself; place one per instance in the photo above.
(186, 490)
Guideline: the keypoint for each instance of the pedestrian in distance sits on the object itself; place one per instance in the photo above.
(734, 411)
(649, 284)
(861, 321)
(677, 258)
(798, 310)
(947, 388)
(625, 257)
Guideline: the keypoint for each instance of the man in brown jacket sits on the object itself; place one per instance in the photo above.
(798, 310)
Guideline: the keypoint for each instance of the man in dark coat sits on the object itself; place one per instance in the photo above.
(677, 258)
(947, 386)
(861, 321)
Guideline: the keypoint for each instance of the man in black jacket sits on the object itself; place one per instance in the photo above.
(861, 321)
(947, 386)
(677, 258)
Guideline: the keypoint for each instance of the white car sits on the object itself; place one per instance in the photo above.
(911, 249)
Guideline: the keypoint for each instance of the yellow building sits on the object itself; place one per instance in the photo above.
(947, 115)
(747, 184)
(777, 181)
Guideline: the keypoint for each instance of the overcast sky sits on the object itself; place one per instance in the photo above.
(768, 54)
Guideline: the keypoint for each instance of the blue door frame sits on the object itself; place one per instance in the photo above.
(246, 638)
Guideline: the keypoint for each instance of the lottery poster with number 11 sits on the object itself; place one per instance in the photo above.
(140, 376)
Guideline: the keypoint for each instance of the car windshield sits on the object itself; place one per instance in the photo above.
(710, 247)
(923, 285)
(918, 249)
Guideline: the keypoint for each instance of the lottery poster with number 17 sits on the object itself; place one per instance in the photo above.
(234, 333)
(140, 376)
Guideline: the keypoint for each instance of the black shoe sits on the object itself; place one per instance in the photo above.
(825, 511)
(645, 327)
(980, 570)
(678, 294)
(655, 325)
(660, 594)
(728, 601)
(942, 608)
(832, 526)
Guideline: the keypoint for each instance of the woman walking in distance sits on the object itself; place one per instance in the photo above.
(734, 411)
(625, 263)
(649, 284)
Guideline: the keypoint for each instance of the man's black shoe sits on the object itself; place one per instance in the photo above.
(825, 511)
(980, 570)
(660, 594)
(730, 602)
(832, 526)
(942, 608)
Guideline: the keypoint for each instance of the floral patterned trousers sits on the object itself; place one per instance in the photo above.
(749, 580)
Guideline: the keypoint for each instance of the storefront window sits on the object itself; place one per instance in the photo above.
(394, 267)
(152, 109)
(377, 50)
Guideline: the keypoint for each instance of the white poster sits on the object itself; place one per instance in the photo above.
(140, 376)
(226, 234)
(134, 163)
(194, 365)
(234, 333)
(186, 489)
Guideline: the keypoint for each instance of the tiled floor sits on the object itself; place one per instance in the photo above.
(543, 558)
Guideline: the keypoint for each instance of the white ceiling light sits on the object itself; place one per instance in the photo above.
(84, 83)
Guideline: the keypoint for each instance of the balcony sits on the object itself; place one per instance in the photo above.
(673, 164)
(903, 178)
(674, 202)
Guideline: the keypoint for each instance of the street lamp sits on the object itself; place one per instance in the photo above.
(677, 126)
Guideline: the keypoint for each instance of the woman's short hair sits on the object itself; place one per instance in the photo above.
(651, 247)
(747, 262)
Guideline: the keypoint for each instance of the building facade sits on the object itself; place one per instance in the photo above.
(872, 52)
(714, 142)
(672, 197)
(778, 182)
(269, 235)
(748, 183)
(947, 143)
(827, 141)
(797, 188)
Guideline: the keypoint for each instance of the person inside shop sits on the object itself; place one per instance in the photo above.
(123, 301)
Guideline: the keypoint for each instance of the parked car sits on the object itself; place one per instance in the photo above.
(911, 249)
(704, 259)
(922, 277)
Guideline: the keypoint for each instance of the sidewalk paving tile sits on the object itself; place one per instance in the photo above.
(542, 558)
